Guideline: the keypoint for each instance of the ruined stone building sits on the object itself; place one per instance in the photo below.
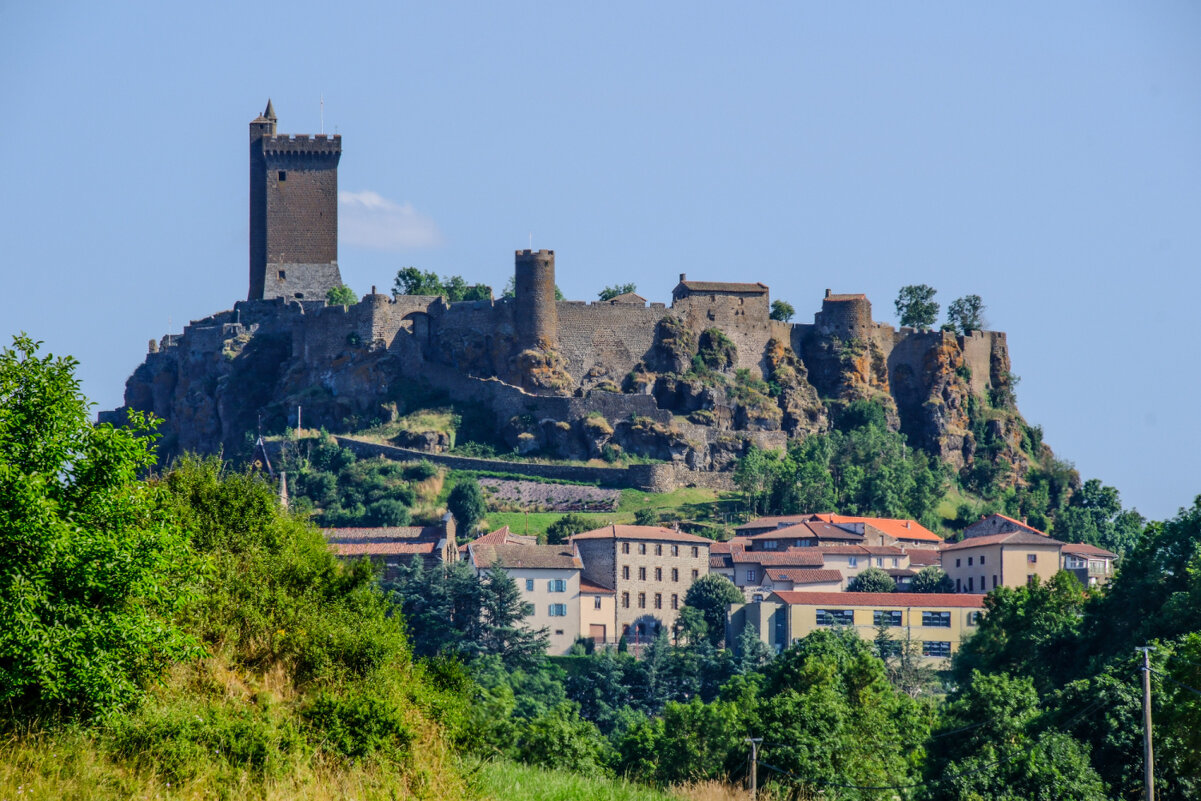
(692, 384)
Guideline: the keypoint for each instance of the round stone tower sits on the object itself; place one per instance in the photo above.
(845, 315)
(536, 316)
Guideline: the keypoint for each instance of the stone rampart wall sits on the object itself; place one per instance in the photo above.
(603, 341)
(744, 319)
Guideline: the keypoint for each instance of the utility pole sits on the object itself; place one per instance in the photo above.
(754, 777)
(1148, 755)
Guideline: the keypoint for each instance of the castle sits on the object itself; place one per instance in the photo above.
(693, 384)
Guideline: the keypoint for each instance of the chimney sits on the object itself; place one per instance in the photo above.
(908, 524)
(827, 293)
(683, 277)
(373, 289)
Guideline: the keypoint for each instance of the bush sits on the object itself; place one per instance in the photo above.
(467, 504)
(873, 579)
(387, 512)
(358, 725)
(421, 471)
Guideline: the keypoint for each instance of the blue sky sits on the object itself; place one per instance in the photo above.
(1044, 156)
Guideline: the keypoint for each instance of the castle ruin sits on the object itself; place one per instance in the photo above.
(694, 384)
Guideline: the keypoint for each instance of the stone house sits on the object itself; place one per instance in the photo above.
(1008, 559)
(390, 547)
(649, 569)
(938, 621)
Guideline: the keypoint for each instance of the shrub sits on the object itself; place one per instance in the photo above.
(357, 725)
(387, 512)
(420, 471)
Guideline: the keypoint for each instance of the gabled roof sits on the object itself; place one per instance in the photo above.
(798, 557)
(719, 561)
(1009, 522)
(900, 528)
(525, 557)
(653, 533)
(730, 545)
(382, 533)
(627, 297)
(845, 298)
(393, 548)
(722, 286)
(772, 522)
(923, 599)
(814, 529)
(1008, 538)
(591, 588)
(1084, 549)
(862, 550)
(803, 575)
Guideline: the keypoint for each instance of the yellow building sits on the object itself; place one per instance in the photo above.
(937, 621)
(598, 613)
(1010, 559)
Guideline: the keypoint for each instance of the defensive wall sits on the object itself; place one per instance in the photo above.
(647, 477)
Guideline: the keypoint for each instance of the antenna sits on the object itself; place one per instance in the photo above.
(323, 112)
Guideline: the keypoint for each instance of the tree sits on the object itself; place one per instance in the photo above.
(504, 608)
(782, 310)
(916, 307)
(931, 579)
(1094, 515)
(467, 504)
(93, 564)
(873, 579)
(966, 314)
(712, 595)
(567, 525)
(610, 292)
(411, 281)
(341, 295)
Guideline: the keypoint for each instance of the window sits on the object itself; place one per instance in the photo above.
(1031, 578)
(529, 585)
(675, 574)
(283, 274)
(852, 561)
(642, 548)
(879, 561)
(973, 618)
(758, 598)
(981, 559)
(956, 563)
(558, 610)
(675, 550)
(958, 586)
(557, 585)
(625, 572)
(969, 561)
(658, 549)
(886, 617)
(940, 620)
(1073, 562)
(770, 545)
(625, 600)
(835, 617)
(939, 649)
(695, 574)
(283, 175)
(889, 647)
(642, 600)
(895, 562)
(1032, 558)
(675, 601)
(696, 551)
(559, 632)
(658, 574)
(625, 547)
(596, 602)
(642, 574)
(658, 600)
(750, 576)
(994, 581)
(969, 583)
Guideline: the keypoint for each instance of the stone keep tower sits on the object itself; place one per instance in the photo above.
(293, 212)
(536, 316)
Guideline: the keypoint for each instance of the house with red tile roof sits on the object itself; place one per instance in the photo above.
(390, 547)
(1011, 558)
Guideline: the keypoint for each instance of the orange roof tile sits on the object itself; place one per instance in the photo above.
(803, 575)
(591, 588)
(1084, 549)
(1006, 538)
(798, 557)
(900, 528)
(381, 548)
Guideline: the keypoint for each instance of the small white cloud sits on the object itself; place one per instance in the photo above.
(369, 220)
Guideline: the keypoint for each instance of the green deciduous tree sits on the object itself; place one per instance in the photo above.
(966, 314)
(931, 579)
(566, 526)
(467, 504)
(610, 292)
(411, 281)
(1094, 515)
(916, 306)
(712, 596)
(341, 295)
(873, 579)
(782, 310)
(93, 564)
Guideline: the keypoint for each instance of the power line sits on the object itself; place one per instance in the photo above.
(1177, 683)
(1182, 659)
